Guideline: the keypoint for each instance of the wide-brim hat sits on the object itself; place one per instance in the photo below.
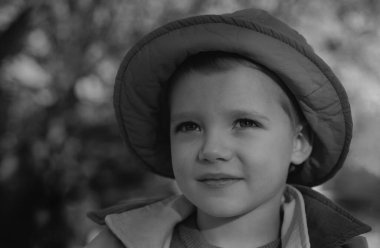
(145, 70)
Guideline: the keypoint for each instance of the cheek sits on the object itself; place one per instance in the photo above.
(184, 147)
(182, 156)
(182, 168)
(267, 159)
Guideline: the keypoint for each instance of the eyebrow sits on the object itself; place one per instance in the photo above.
(234, 113)
(248, 113)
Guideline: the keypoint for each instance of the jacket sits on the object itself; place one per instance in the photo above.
(143, 224)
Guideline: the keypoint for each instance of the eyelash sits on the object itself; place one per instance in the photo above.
(186, 127)
(247, 123)
(190, 126)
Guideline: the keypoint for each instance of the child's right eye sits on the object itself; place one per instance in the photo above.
(187, 126)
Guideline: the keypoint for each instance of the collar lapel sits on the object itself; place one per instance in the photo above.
(328, 220)
(150, 226)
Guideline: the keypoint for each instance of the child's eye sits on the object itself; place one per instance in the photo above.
(245, 123)
(187, 126)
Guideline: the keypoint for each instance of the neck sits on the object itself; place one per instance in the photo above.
(253, 229)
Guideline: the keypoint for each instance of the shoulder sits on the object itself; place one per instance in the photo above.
(329, 225)
(105, 239)
(356, 242)
(142, 221)
(99, 216)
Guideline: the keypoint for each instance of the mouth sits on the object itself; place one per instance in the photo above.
(218, 180)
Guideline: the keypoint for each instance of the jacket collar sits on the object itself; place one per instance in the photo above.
(150, 226)
(153, 224)
(328, 220)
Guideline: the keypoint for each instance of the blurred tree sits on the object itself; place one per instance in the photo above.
(12, 193)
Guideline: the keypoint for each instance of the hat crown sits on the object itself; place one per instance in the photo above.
(264, 19)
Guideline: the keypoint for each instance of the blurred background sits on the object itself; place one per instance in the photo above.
(60, 150)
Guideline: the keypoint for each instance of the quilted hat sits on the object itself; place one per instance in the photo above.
(144, 72)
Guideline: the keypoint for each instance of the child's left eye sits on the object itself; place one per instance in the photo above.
(245, 123)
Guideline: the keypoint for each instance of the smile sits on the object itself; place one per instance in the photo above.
(218, 180)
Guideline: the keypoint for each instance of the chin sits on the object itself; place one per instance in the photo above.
(222, 210)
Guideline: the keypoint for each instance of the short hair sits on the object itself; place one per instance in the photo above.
(217, 61)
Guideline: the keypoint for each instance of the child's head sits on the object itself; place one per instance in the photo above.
(234, 133)
(307, 89)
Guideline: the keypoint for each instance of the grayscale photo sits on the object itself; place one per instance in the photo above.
(189, 123)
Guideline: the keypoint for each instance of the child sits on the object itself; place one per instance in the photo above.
(246, 117)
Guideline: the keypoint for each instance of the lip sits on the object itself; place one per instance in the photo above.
(216, 176)
(218, 180)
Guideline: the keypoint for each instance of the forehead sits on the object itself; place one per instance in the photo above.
(237, 84)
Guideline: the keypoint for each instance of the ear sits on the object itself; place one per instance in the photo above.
(302, 146)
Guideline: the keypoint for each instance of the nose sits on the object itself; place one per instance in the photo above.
(215, 148)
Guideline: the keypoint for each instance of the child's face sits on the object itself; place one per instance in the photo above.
(231, 140)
